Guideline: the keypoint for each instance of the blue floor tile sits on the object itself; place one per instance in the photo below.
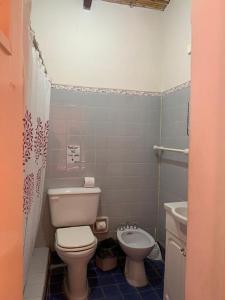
(159, 292)
(106, 280)
(57, 278)
(100, 273)
(117, 270)
(56, 288)
(93, 282)
(119, 278)
(125, 288)
(152, 273)
(156, 283)
(157, 263)
(111, 285)
(95, 293)
(151, 295)
(111, 290)
(56, 271)
(147, 288)
(158, 266)
(91, 272)
(133, 296)
(116, 297)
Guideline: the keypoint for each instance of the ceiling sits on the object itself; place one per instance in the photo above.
(155, 4)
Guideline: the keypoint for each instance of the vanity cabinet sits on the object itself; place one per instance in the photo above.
(174, 281)
(175, 269)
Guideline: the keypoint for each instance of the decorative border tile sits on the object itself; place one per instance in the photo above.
(109, 91)
(177, 88)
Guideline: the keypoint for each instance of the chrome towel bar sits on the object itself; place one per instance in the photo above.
(185, 151)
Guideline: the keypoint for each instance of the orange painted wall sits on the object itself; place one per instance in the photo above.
(206, 229)
(11, 176)
(4, 15)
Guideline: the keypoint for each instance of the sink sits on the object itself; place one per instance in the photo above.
(180, 213)
(178, 210)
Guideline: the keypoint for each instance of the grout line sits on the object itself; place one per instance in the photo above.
(159, 168)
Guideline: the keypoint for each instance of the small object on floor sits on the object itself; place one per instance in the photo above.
(155, 253)
(106, 264)
(106, 254)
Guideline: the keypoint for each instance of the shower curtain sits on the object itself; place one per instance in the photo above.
(35, 140)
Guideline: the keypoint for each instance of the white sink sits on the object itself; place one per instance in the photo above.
(178, 211)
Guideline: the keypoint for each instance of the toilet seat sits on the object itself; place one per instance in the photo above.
(83, 249)
(75, 239)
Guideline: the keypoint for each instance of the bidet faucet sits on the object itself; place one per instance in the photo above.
(135, 226)
(122, 227)
(127, 225)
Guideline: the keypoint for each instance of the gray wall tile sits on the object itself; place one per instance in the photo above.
(173, 166)
(116, 134)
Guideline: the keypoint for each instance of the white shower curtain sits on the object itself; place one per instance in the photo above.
(35, 139)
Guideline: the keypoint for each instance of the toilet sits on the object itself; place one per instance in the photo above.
(137, 244)
(72, 211)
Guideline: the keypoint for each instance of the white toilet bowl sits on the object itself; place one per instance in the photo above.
(137, 244)
(76, 246)
(73, 210)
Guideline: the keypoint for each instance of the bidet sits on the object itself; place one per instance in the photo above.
(137, 244)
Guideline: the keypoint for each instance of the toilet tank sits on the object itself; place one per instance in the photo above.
(73, 206)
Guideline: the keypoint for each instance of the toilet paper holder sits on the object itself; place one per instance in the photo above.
(101, 225)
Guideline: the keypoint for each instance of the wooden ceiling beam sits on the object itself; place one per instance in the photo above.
(87, 4)
(155, 4)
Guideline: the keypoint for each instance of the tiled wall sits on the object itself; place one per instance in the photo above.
(173, 166)
(116, 133)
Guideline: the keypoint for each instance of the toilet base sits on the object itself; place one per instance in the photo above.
(135, 273)
(70, 297)
(75, 283)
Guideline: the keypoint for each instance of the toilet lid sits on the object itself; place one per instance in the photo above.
(75, 237)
